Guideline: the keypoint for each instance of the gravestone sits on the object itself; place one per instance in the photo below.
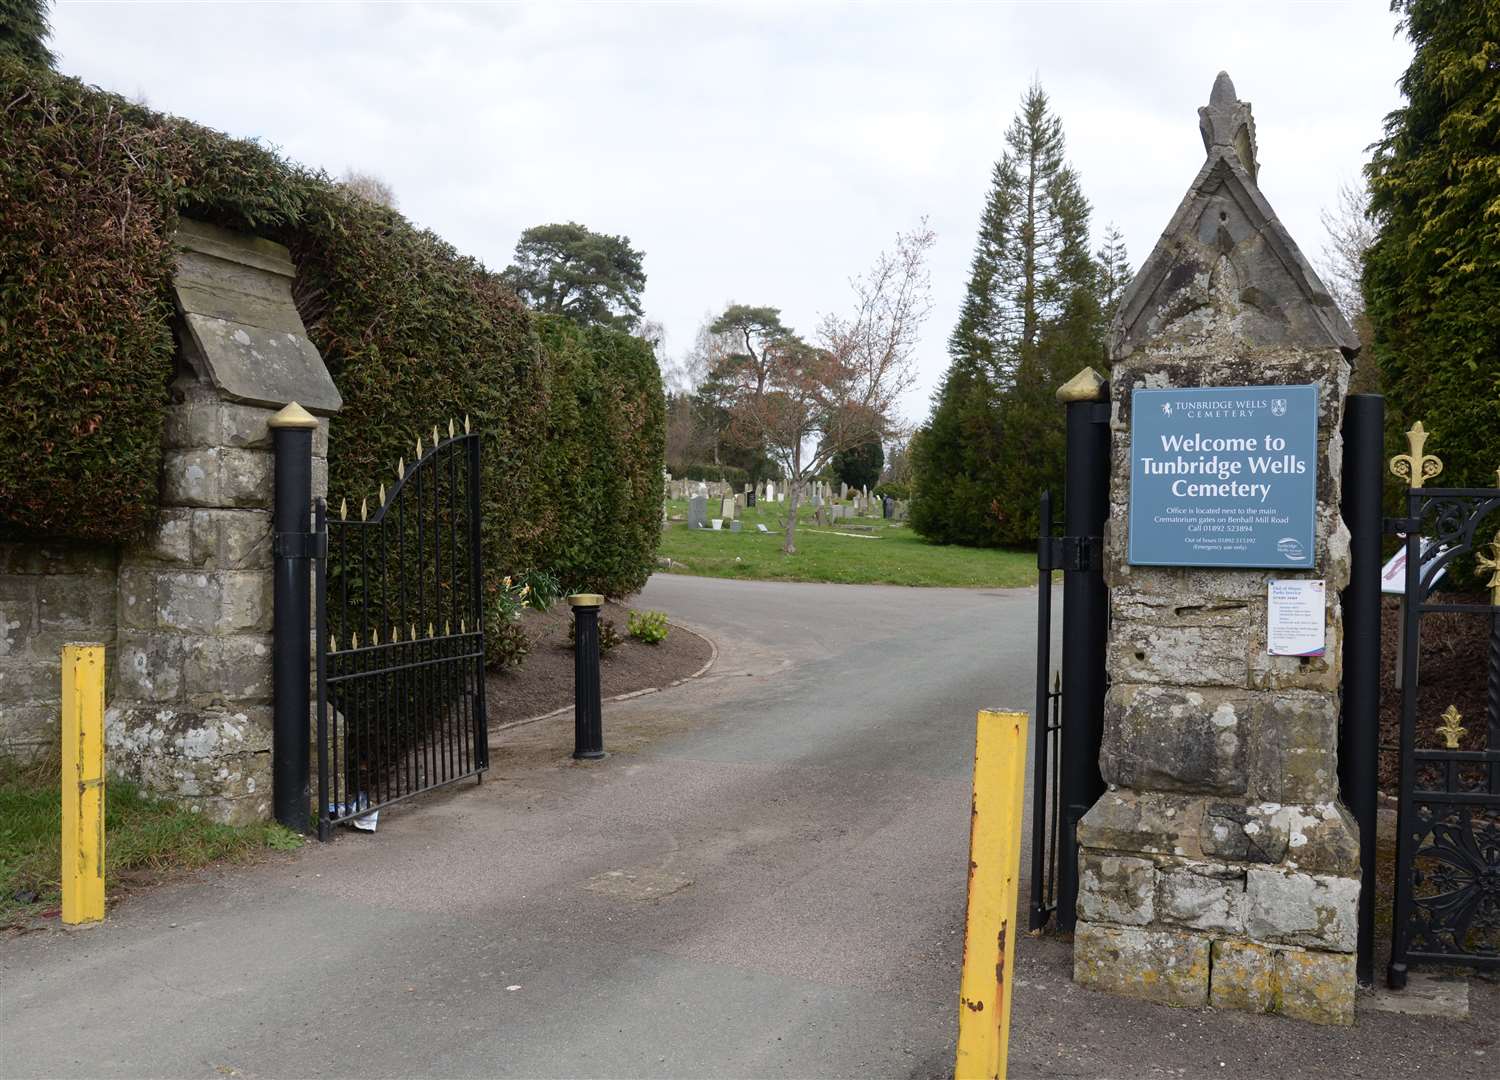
(1220, 868)
(727, 507)
(698, 512)
(736, 526)
(885, 506)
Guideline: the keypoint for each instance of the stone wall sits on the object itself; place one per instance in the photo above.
(50, 594)
(187, 610)
(1220, 867)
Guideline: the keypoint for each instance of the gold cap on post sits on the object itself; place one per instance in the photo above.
(293, 416)
(586, 599)
(1087, 385)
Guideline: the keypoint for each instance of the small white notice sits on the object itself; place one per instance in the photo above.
(1295, 623)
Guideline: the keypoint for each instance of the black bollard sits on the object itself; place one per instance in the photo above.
(588, 724)
(291, 433)
(1359, 737)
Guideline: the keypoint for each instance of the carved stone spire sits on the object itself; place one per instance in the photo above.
(1226, 121)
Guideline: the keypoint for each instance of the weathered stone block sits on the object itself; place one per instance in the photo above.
(1162, 738)
(1254, 833)
(1317, 911)
(245, 602)
(1245, 976)
(1144, 823)
(29, 731)
(247, 478)
(1293, 747)
(1116, 888)
(148, 667)
(1202, 896)
(233, 669)
(234, 539)
(217, 476)
(1165, 966)
(171, 541)
(30, 678)
(1177, 655)
(1317, 986)
(76, 600)
(189, 601)
(17, 614)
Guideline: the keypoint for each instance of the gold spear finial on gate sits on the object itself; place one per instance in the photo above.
(364, 509)
(354, 640)
(450, 427)
(333, 643)
(401, 469)
(1491, 564)
(434, 435)
(343, 509)
(375, 636)
(419, 447)
(1416, 467)
(466, 428)
(431, 631)
(382, 493)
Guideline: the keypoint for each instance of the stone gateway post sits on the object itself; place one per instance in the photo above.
(1220, 868)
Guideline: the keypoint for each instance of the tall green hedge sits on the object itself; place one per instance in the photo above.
(91, 187)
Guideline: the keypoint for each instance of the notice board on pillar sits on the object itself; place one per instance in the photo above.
(1223, 476)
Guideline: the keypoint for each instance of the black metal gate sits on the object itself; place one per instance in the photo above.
(400, 636)
(1447, 901)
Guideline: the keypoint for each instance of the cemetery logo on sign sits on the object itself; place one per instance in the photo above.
(1278, 406)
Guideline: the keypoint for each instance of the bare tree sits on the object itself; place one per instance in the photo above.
(1350, 231)
(789, 396)
(370, 187)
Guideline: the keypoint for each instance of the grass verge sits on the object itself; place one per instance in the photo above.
(141, 835)
(862, 551)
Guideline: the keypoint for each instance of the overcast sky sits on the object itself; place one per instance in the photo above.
(757, 153)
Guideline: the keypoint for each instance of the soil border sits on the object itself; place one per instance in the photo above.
(713, 656)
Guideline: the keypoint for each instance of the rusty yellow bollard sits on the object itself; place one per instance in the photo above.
(994, 878)
(82, 783)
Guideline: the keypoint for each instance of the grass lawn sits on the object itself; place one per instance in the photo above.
(141, 834)
(888, 554)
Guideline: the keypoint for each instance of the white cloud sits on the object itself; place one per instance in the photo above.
(757, 152)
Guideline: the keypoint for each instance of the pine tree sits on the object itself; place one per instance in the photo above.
(24, 31)
(1114, 272)
(1432, 276)
(1029, 321)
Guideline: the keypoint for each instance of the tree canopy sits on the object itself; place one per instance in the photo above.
(570, 270)
(1432, 275)
(24, 31)
(859, 466)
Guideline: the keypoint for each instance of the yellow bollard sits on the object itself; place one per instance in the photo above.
(994, 872)
(82, 783)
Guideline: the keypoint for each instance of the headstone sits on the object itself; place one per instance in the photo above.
(771, 491)
(885, 506)
(817, 499)
(727, 508)
(781, 497)
(843, 490)
(761, 527)
(735, 526)
(698, 512)
(750, 498)
(1220, 867)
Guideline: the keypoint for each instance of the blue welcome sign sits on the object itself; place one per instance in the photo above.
(1224, 476)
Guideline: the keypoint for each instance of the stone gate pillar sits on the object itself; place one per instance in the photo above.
(1220, 867)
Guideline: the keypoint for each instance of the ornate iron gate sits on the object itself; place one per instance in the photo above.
(400, 637)
(1447, 903)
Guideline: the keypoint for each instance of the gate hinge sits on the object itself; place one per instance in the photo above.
(1399, 526)
(292, 545)
(1077, 553)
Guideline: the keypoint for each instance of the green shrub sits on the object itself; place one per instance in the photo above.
(506, 643)
(413, 333)
(648, 626)
(727, 473)
(609, 635)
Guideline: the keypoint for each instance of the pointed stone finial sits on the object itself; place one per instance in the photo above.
(1226, 121)
(1087, 385)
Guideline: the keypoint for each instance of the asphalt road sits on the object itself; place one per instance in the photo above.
(766, 878)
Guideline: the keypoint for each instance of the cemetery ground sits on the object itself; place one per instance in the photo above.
(765, 878)
(866, 550)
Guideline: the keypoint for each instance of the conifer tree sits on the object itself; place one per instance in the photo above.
(24, 31)
(1114, 272)
(1432, 275)
(1029, 320)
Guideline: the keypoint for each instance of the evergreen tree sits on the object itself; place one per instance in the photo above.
(1432, 275)
(1114, 272)
(860, 466)
(24, 31)
(1029, 321)
(591, 278)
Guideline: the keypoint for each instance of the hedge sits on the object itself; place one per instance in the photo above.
(414, 333)
(728, 473)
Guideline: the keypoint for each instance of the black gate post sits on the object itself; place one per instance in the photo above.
(588, 724)
(292, 433)
(1085, 621)
(1359, 739)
